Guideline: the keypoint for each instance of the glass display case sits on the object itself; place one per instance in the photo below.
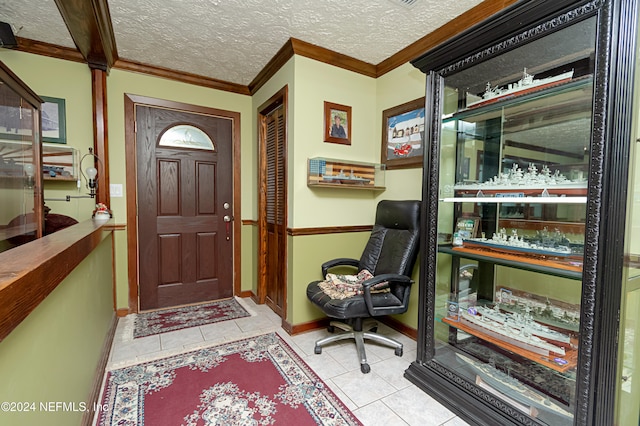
(516, 174)
(21, 215)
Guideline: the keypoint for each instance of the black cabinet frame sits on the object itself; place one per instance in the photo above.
(606, 206)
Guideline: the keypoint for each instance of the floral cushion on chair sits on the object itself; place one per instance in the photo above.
(339, 286)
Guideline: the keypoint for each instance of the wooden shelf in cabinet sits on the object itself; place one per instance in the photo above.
(60, 178)
(539, 225)
(545, 266)
(571, 355)
(15, 231)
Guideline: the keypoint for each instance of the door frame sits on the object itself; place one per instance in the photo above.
(279, 98)
(130, 103)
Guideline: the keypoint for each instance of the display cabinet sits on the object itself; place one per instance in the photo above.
(333, 173)
(521, 156)
(21, 215)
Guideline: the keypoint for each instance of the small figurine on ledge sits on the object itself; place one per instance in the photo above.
(102, 212)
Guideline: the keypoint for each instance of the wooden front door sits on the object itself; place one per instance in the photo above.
(184, 187)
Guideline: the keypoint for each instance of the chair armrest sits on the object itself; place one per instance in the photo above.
(366, 287)
(342, 261)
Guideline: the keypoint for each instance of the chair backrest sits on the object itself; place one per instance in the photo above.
(395, 239)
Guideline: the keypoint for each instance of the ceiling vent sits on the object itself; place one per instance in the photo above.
(404, 3)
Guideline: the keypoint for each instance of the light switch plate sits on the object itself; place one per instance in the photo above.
(115, 189)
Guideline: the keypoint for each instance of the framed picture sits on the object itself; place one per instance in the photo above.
(403, 135)
(337, 123)
(54, 127)
(468, 227)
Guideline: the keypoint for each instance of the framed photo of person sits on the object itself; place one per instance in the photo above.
(403, 135)
(337, 123)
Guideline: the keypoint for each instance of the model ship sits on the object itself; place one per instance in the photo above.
(510, 388)
(516, 179)
(10, 168)
(344, 178)
(502, 242)
(515, 335)
(524, 323)
(545, 311)
(528, 372)
(525, 85)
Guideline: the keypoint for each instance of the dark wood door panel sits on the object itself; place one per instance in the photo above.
(168, 189)
(206, 186)
(189, 224)
(184, 254)
(169, 255)
(207, 254)
(182, 294)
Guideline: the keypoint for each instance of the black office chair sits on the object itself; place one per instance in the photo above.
(389, 255)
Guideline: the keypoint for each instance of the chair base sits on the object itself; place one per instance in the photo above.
(356, 332)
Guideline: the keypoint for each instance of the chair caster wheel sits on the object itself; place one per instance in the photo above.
(317, 350)
(331, 329)
(365, 368)
(399, 352)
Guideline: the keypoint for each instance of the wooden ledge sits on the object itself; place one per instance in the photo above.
(30, 272)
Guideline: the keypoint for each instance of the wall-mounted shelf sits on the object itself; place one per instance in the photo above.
(59, 163)
(332, 173)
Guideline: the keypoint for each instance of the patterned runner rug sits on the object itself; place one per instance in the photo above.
(256, 381)
(162, 321)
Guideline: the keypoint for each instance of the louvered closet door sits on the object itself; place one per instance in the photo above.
(276, 210)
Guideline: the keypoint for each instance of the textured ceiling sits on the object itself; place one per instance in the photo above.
(232, 40)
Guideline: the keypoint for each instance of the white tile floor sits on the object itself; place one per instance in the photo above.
(382, 397)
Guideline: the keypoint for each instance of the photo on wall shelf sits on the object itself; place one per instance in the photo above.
(337, 123)
(403, 135)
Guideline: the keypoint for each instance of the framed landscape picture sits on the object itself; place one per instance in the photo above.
(403, 135)
(54, 128)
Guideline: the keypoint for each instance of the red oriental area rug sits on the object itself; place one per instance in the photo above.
(256, 381)
(162, 321)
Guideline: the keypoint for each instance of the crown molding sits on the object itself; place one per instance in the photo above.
(294, 46)
(181, 76)
(279, 59)
(290, 48)
(463, 22)
(35, 47)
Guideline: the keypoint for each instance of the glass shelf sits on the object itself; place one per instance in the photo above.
(527, 200)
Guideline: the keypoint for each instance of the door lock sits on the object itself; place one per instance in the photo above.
(227, 222)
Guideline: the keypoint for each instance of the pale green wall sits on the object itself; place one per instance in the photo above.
(309, 82)
(310, 251)
(120, 83)
(53, 354)
(315, 83)
(397, 87)
(72, 82)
